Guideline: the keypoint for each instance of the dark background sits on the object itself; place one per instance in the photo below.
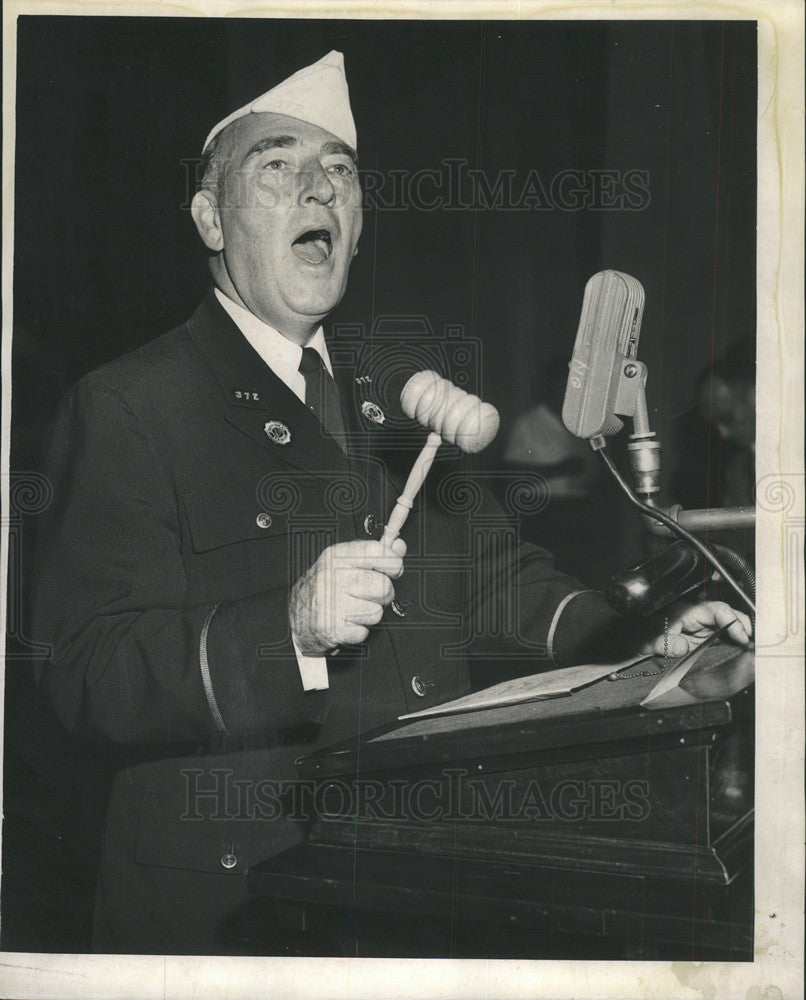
(111, 116)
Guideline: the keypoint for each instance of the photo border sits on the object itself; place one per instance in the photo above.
(777, 970)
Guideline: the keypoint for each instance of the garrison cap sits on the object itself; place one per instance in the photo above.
(316, 94)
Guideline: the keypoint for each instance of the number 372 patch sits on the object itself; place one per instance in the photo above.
(245, 397)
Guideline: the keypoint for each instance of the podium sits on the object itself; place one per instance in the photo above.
(583, 826)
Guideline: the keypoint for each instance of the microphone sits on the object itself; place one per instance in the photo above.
(603, 376)
(606, 381)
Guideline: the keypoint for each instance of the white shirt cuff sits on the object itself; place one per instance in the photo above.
(312, 670)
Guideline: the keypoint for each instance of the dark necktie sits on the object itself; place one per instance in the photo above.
(322, 395)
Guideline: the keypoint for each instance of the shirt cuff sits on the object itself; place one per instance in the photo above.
(312, 670)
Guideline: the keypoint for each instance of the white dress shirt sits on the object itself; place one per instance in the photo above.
(283, 357)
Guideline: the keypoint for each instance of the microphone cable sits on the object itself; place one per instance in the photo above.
(598, 444)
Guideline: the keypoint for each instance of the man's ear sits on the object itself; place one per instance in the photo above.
(204, 209)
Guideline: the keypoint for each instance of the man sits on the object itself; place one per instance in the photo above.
(716, 441)
(211, 575)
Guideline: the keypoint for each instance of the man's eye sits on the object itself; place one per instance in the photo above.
(341, 169)
(274, 165)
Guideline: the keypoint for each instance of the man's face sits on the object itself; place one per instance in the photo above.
(290, 210)
(731, 409)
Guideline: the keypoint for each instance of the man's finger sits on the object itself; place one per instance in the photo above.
(368, 555)
(399, 547)
(740, 632)
(722, 614)
(739, 629)
(368, 585)
(677, 645)
(387, 561)
(707, 615)
(746, 620)
(364, 613)
(353, 635)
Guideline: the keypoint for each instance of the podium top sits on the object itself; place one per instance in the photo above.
(604, 713)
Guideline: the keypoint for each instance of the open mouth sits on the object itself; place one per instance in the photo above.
(314, 246)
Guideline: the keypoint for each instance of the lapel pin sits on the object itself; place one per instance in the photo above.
(373, 412)
(277, 433)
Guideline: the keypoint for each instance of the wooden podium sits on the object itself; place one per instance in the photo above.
(579, 826)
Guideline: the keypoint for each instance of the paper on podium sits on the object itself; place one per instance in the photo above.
(725, 675)
(536, 687)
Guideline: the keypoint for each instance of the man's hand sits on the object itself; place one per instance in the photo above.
(692, 624)
(342, 594)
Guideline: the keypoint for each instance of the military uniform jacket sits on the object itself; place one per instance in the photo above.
(191, 489)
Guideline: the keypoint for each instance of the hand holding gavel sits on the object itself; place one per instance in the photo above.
(344, 593)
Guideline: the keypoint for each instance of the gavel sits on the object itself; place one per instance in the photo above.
(452, 415)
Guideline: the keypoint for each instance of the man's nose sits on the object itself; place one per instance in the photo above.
(314, 184)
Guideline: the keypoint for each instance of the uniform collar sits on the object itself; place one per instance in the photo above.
(280, 354)
(256, 395)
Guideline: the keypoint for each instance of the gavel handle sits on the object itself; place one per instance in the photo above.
(416, 479)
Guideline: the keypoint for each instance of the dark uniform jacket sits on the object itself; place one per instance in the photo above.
(191, 489)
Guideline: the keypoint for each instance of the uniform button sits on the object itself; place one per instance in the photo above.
(263, 520)
(417, 686)
(228, 860)
(398, 609)
(370, 524)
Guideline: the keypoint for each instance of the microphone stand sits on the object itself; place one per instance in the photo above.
(709, 519)
(645, 459)
(646, 463)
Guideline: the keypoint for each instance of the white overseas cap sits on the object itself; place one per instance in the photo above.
(317, 94)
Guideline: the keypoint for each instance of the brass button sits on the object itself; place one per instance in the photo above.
(370, 524)
(398, 609)
(418, 687)
(228, 861)
(263, 520)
